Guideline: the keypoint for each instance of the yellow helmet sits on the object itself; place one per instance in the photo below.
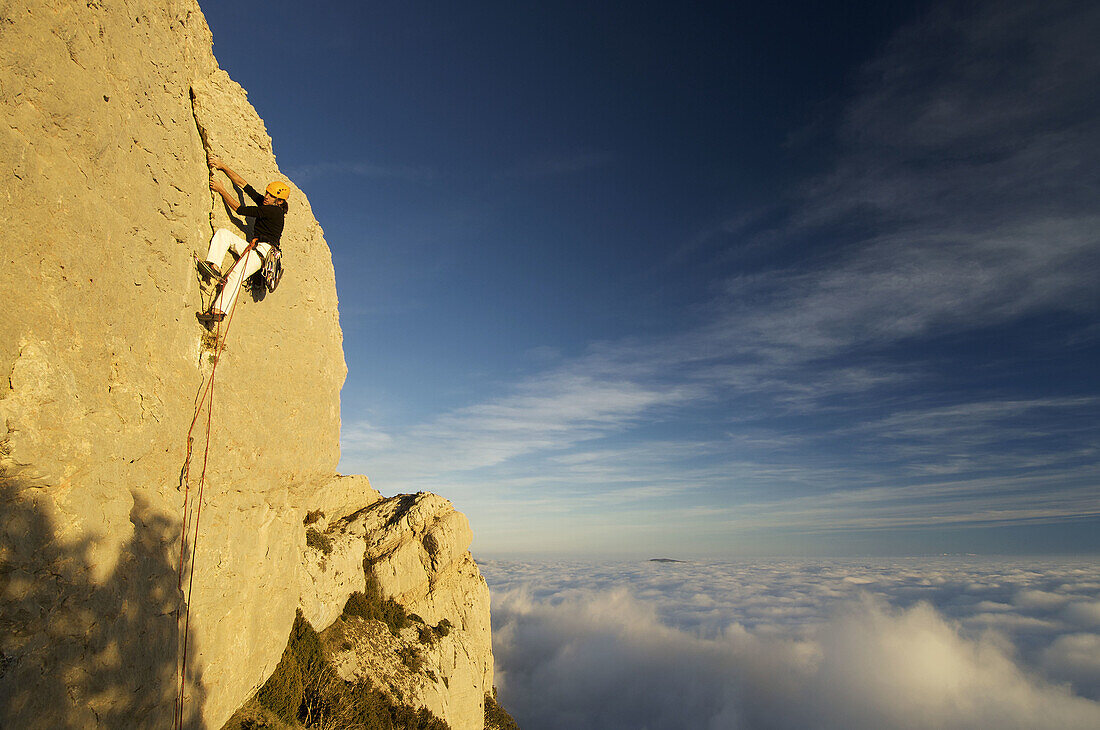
(278, 189)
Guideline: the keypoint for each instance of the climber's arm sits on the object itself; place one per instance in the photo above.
(218, 188)
(217, 164)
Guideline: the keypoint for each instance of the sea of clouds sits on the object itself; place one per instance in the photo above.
(905, 643)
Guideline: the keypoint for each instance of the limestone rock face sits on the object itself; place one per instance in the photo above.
(109, 109)
(417, 548)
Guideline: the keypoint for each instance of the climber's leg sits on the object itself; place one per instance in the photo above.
(220, 244)
(243, 269)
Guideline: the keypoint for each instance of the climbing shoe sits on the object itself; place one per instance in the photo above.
(209, 319)
(208, 269)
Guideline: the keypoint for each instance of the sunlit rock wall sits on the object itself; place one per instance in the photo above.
(109, 110)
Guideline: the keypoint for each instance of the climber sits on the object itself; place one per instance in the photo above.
(269, 214)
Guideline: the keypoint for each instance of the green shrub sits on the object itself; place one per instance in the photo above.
(282, 693)
(358, 605)
(298, 673)
(430, 634)
(254, 725)
(318, 540)
(393, 613)
(425, 634)
(305, 691)
(411, 658)
(374, 711)
(496, 717)
(296, 688)
(371, 605)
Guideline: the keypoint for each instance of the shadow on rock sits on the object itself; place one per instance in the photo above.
(77, 652)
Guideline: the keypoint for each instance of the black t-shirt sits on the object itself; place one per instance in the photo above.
(269, 218)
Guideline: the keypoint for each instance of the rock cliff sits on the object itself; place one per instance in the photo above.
(414, 548)
(109, 109)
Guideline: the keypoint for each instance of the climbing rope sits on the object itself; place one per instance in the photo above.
(205, 397)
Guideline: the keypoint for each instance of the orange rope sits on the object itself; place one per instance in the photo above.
(206, 397)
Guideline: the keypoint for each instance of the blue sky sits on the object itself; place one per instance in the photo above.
(702, 279)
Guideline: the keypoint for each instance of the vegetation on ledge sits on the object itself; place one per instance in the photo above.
(371, 605)
(496, 717)
(306, 692)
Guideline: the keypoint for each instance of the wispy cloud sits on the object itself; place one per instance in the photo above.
(550, 412)
(975, 165)
(999, 500)
(362, 436)
(810, 396)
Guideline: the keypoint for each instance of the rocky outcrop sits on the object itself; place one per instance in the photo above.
(416, 549)
(109, 111)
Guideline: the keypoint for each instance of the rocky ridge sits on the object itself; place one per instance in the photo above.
(109, 111)
(414, 548)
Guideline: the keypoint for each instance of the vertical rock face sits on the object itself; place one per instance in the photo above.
(109, 109)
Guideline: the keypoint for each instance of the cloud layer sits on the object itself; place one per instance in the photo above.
(840, 644)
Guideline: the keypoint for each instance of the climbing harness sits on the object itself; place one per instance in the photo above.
(205, 398)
